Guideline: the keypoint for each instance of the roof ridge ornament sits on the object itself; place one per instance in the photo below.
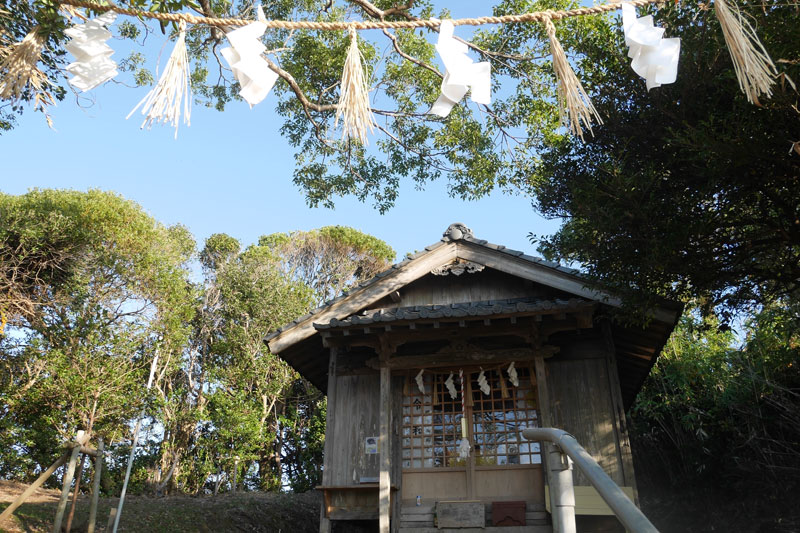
(457, 231)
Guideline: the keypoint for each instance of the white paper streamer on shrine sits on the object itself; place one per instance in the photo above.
(483, 384)
(652, 57)
(420, 383)
(451, 388)
(512, 375)
(461, 73)
(244, 56)
(93, 64)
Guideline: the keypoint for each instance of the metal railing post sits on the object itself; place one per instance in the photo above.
(626, 511)
(563, 502)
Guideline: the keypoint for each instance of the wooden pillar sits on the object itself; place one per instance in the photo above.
(98, 471)
(620, 419)
(68, 475)
(384, 441)
(112, 515)
(324, 522)
(546, 449)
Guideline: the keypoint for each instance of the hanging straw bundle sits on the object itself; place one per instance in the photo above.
(163, 102)
(354, 108)
(754, 68)
(18, 68)
(574, 105)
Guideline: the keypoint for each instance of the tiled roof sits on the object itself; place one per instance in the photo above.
(410, 257)
(458, 310)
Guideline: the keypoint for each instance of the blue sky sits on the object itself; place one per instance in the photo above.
(228, 172)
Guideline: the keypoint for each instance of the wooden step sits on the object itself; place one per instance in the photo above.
(489, 529)
(422, 516)
(417, 509)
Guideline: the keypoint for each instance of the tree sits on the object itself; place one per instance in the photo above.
(95, 286)
(16, 20)
(331, 259)
(686, 191)
(478, 148)
(712, 411)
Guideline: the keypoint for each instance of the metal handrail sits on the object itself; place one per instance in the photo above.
(631, 517)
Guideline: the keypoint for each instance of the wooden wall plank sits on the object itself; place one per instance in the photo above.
(621, 420)
(354, 415)
(582, 405)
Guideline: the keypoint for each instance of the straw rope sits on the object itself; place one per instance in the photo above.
(755, 70)
(18, 66)
(536, 16)
(354, 109)
(574, 105)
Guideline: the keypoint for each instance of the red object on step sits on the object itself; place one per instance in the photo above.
(508, 513)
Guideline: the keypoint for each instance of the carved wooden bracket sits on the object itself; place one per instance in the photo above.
(457, 267)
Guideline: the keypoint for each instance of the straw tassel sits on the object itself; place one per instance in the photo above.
(18, 69)
(574, 106)
(163, 102)
(754, 68)
(354, 109)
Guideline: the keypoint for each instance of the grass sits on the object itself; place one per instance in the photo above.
(250, 511)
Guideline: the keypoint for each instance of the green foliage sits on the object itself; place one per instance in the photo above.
(93, 286)
(17, 18)
(478, 149)
(686, 191)
(330, 259)
(710, 411)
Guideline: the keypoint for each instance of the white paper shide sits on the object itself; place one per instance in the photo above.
(249, 67)
(652, 57)
(93, 64)
(461, 73)
(420, 382)
(451, 387)
(512, 375)
(483, 384)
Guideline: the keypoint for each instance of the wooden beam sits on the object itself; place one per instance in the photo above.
(384, 441)
(410, 362)
(478, 327)
(33, 486)
(360, 298)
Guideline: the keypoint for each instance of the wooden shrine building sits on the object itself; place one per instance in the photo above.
(419, 359)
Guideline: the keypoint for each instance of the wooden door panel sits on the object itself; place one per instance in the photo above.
(509, 484)
(435, 485)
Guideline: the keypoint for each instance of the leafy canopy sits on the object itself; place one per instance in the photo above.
(93, 287)
(686, 191)
(477, 148)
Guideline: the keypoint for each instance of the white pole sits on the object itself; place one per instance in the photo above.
(133, 449)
